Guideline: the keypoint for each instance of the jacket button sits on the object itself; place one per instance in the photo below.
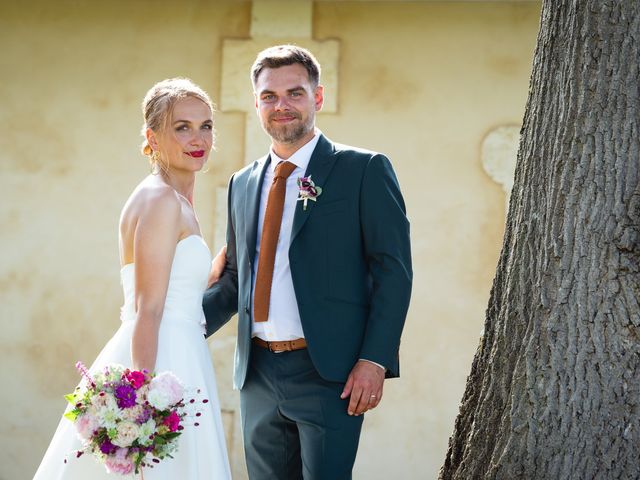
(246, 310)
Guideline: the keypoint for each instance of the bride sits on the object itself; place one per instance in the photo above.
(166, 267)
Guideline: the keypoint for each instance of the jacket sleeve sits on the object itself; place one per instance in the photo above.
(220, 302)
(385, 231)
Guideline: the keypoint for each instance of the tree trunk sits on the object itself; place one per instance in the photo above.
(554, 389)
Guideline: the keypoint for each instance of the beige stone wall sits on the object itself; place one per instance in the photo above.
(423, 82)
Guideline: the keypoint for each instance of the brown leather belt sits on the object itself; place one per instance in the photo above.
(283, 346)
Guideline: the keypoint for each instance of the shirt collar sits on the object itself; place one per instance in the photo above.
(301, 157)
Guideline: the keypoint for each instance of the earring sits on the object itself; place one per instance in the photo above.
(156, 165)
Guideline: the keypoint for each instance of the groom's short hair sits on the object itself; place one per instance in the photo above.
(283, 55)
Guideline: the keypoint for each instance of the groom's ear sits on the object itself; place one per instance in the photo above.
(255, 99)
(318, 97)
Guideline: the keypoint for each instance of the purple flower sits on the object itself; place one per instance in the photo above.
(107, 447)
(144, 416)
(308, 190)
(126, 396)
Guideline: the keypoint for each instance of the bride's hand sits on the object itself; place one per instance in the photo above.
(217, 266)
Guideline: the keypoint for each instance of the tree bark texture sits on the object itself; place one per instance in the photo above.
(554, 389)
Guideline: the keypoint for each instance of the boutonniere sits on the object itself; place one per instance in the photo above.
(308, 190)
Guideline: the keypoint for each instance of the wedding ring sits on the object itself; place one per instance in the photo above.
(372, 396)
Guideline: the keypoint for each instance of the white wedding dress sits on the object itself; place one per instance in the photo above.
(183, 350)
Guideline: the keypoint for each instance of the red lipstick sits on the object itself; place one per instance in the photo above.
(196, 153)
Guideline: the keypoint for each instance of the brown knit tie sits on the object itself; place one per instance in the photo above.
(269, 241)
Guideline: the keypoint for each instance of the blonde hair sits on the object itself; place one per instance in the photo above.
(158, 104)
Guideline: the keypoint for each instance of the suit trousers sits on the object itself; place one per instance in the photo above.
(295, 424)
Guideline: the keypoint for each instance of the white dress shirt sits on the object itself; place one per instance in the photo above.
(283, 322)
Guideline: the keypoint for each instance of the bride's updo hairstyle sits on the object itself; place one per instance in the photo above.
(157, 110)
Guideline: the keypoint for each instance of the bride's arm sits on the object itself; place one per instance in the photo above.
(154, 246)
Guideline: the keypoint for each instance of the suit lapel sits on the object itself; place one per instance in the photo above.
(252, 205)
(319, 167)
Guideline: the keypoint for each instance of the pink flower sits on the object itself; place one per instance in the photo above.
(85, 373)
(172, 421)
(165, 390)
(119, 463)
(135, 378)
(86, 424)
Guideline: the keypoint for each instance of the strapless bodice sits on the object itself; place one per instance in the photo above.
(187, 283)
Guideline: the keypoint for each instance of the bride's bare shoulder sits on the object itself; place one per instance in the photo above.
(153, 207)
(151, 193)
(151, 197)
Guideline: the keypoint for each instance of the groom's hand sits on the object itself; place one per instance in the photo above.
(364, 385)
(217, 266)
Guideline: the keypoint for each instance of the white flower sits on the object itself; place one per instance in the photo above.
(132, 413)
(108, 416)
(107, 400)
(146, 430)
(128, 432)
(158, 399)
(165, 390)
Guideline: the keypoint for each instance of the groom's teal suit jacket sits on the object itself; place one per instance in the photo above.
(350, 262)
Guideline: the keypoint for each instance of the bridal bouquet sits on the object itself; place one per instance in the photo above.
(127, 418)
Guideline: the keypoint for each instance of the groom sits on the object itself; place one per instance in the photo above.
(319, 270)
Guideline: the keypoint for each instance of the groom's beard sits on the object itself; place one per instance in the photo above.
(292, 132)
